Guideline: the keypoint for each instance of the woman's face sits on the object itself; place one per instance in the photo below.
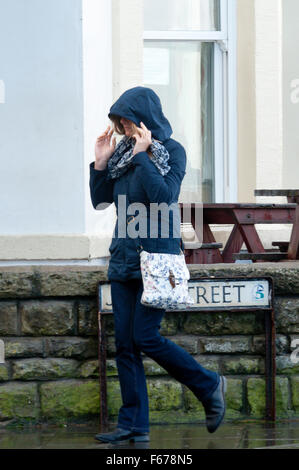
(128, 126)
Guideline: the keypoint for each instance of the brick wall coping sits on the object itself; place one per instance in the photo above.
(52, 281)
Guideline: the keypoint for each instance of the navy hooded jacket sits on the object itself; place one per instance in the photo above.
(142, 183)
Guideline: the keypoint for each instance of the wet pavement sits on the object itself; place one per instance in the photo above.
(241, 435)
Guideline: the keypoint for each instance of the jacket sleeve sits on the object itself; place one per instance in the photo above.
(101, 189)
(157, 187)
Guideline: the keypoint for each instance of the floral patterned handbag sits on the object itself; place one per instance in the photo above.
(165, 279)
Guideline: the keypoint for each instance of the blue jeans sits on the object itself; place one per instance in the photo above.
(137, 329)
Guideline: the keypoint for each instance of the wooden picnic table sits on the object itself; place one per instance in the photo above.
(243, 217)
(292, 197)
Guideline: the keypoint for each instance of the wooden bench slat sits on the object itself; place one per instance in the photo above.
(202, 246)
(268, 256)
(283, 246)
(276, 192)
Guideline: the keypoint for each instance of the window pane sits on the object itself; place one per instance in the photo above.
(182, 75)
(171, 15)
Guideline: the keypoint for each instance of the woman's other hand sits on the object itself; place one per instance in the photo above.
(143, 139)
(104, 149)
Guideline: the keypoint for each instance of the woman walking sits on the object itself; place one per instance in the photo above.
(147, 166)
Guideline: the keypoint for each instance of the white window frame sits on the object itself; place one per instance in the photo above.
(225, 95)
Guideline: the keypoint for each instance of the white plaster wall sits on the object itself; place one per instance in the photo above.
(46, 146)
(112, 63)
(246, 99)
(269, 111)
(97, 80)
(127, 36)
(41, 144)
(269, 152)
(290, 94)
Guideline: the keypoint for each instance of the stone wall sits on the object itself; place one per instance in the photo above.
(48, 322)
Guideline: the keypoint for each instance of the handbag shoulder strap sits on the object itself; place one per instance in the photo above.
(136, 240)
(139, 247)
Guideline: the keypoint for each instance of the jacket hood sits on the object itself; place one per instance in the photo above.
(143, 104)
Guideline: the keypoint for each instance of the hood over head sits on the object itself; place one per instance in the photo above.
(143, 104)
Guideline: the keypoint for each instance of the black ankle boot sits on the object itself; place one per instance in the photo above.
(215, 406)
(123, 435)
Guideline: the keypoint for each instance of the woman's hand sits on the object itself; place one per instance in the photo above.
(143, 139)
(104, 149)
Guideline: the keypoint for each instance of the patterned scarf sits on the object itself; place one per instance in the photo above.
(121, 159)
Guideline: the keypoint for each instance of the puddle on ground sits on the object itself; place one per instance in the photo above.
(248, 435)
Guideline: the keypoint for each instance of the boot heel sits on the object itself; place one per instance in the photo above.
(139, 438)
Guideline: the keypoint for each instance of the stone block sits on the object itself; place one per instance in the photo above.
(44, 369)
(151, 367)
(243, 365)
(18, 400)
(189, 343)
(70, 280)
(88, 317)
(287, 314)
(164, 395)
(110, 346)
(169, 324)
(223, 323)
(8, 318)
(294, 347)
(71, 346)
(295, 393)
(228, 344)
(90, 369)
(111, 368)
(49, 317)
(208, 362)
(233, 398)
(114, 400)
(23, 347)
(256, 389)
(282, 397)
(108, 324)
(259, 344)
(70, 399)
(285, 366)
(192, 405)
(16, 282)
(4, 372)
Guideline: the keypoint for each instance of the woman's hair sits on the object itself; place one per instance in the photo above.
(118, 127)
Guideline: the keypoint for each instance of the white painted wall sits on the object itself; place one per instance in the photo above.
(127, 37)
(97, 80)
(269, 111)
(269, 154)
(63, 63)
(246, 100)
(290, 94)
(41, 121)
